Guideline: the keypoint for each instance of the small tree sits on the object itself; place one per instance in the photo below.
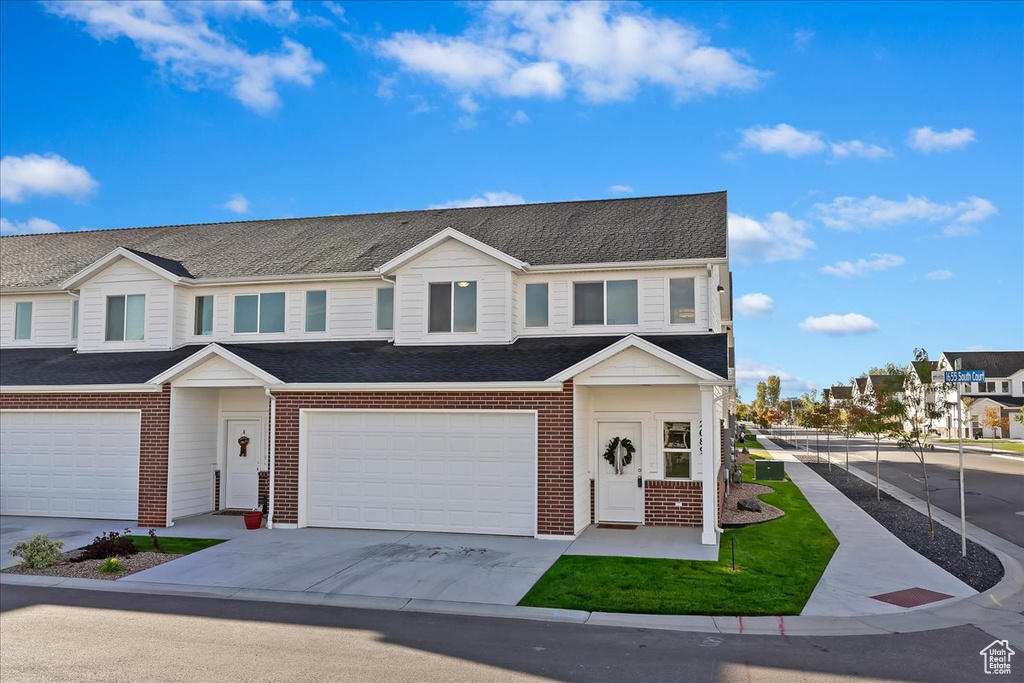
(850, 417)
(879, 417)
(993, 419)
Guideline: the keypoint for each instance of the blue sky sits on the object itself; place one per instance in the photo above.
(872, 152)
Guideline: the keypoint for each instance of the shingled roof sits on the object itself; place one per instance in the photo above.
(994, 363)
(599, 231)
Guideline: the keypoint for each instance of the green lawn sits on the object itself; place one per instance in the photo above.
(174, 545)
(778, 564)
(999, 445)
(749, 442)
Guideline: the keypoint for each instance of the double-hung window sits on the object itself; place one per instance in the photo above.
(262, 313)
(204, 316)
(23, 320)
(386, 308)
(677, 448)
(611, 302)
(452, 307)
(1006, 387)
(126, 318)
(537, 304)
(316, 311)
(681, 304)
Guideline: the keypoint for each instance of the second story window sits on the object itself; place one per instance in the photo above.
(23, 320)
(74, 319)
(613, 302)
(204, 316)
(262, 313)
(126, 318)
(452, 307)
(316, 311)
(386, 308)
(537, 304)
(681, 301)
(1006, 387)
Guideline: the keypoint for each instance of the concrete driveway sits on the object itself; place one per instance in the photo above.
(74, 532)
(396, 564)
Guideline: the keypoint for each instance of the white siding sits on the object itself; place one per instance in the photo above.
(184, 312)
(714, 301)
(217, 372)
(193, 450)
(452, 261)
(51, 320)
(124, 277)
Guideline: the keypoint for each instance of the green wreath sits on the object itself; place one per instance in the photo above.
(627, 445)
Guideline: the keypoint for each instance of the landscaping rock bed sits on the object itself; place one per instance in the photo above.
(732, 517)
(87, 569)
(980, 569)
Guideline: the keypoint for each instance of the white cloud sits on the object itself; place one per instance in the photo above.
(840, 325)
(749, 373)
(386, 87)
(778, 238)
(938, 275)
(755, 305)
(783, 139)
(802, 37)
(852, 213)
(484, 199)
(519, 118)
(928, 140)
(47, 174)
(621, 189)
(238, 204)
(878, 262)
(179, 38)
(603, 51)
(30, 227)
(859, 149)
(337, 10)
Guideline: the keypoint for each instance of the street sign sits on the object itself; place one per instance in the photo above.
(938, 377)
(963, 376)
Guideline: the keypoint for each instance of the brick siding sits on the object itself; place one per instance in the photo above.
(660, 498)
(554, 440)
(156, 412)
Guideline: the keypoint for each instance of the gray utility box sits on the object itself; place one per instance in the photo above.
(769, 470)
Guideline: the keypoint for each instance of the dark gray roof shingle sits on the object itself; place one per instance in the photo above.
(637, 229)
(994, 363)
(528, 360)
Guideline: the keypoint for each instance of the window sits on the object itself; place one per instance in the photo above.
(677, 449)
(537, 305)
(204, 316)
(74, 319)
(613, 302)
(452, 307)
(1006, 387)
(316, 311)
(681, 305)
(986, 387)
(386, 308)
(23, 320)
(259, 312)
(126, 317)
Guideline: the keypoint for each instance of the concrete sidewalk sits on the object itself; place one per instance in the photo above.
(869, 561)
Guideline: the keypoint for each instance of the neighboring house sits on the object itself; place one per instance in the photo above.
(919, 399)
(1002, 389)
(835, 395)
(458, 370)
(859, 387)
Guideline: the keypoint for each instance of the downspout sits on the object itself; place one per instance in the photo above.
(270, 457)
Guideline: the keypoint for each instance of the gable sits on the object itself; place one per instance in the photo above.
(634, 366)
(452, 254)
(217, 372)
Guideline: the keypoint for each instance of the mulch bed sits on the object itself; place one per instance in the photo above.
(87, 569)
(731, 517)
(980, 569)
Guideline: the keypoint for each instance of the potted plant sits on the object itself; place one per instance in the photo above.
(253, 519)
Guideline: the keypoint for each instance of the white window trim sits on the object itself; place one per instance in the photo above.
(661, 447)
(547, 324)
(305, 311)
(668, 300)
(604, 283)
(124, 330)
(76, 314)
(31, 322)
(451, 322)
(376, 308)
(195, 303)
(259, 314)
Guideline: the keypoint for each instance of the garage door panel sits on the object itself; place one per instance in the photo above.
(69, 464)
(459, 472)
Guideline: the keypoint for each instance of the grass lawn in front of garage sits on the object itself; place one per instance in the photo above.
(778, 564)
(173, 545)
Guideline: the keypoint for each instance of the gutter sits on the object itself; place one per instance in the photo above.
(270, 456)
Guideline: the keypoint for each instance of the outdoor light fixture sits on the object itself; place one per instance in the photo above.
(462, 284)
(721, 289)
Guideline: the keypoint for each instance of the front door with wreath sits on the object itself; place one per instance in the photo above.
(620, 493)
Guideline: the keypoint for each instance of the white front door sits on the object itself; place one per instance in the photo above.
(242, 463)
(619, 496)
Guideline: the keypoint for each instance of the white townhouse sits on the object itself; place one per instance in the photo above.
(1003, 389)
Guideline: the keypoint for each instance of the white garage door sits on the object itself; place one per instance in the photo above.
(458, 472)
(69, 464)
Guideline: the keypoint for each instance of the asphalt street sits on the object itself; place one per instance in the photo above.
(994, 486)
(50, 634)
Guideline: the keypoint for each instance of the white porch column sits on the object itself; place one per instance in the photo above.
(709, 488)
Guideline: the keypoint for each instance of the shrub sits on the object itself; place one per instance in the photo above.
(110, 544)
(156, 541)
(110, 566)
(38, 553)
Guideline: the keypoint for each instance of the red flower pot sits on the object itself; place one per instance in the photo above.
(253, 519)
